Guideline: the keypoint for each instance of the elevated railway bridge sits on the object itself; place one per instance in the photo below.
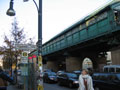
(90, 38)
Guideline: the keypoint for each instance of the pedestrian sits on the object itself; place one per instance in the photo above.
(85, 81)
(3, 83)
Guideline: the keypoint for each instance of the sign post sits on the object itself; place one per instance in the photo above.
(40, 79)
(24, 57)
(24, 69)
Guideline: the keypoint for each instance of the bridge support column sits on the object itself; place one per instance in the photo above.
(101, 62)
(52, 65)
(115, 55)
(73, 63)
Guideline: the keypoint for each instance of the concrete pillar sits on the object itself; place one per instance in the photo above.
(115, 55)
(101, 62)
(52, 65)
(73, 63)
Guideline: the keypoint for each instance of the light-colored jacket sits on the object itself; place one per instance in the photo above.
(89, 82)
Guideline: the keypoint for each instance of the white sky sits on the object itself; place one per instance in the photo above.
(57, 15)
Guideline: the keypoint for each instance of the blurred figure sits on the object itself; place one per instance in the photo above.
(3, 83)
(4, 77)
(85, 81)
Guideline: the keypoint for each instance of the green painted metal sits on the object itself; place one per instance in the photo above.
(79, 33)
(94, 30)
(83, 33)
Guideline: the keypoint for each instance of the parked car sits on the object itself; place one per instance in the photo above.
(47, 70)
(78, 72)
(68, 79)
(49, 77)
(106, 81)
(60, 72)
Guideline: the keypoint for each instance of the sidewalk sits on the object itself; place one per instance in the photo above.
(13, 87)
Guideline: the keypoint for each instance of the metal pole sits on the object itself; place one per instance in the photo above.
(40, 28)
(40, 80)
(16, 67)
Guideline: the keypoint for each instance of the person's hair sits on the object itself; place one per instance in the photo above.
(86, 70)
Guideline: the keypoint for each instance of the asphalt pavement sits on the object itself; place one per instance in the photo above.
(13, 87)
(46, 87)
(56, 87)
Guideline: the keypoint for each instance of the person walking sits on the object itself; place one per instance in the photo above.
(85, 81)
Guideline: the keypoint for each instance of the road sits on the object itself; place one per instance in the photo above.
(13, 87)
(56, 87)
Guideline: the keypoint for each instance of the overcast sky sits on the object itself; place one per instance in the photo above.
(57, 15)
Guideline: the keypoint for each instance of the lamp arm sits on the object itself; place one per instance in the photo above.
(36, 5)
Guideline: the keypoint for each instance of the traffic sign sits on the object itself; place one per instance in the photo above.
(24, 54)
(24, 58)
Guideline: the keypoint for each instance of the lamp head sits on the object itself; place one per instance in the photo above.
(11, 11)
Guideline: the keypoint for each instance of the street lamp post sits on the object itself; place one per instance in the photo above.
(11, 12)
(40, 28)
(39, 43)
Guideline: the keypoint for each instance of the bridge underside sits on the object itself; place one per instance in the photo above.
(71, 58)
